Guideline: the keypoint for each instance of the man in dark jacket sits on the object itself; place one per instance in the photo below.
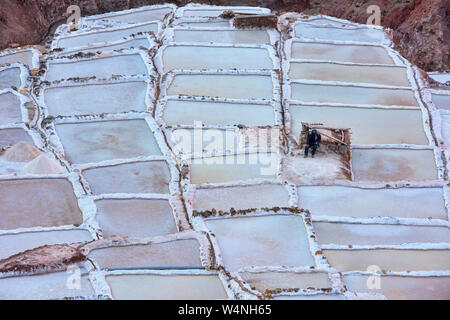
(312, 141)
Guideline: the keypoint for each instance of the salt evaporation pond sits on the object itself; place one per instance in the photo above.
(188, 141)
(263, 281)
(262, 241)
(10, 78)
(125, 65)
(446, 127)
(11, 244)
(122, 45)
(401, 287)
(11, 136)
(441, 101)
(223, 36)
(177, 112)
(28, 203)
(241, 197)
(137, 218)
(353, 95)
(216, 12)
(166, 287)
(366, 203)
(177, 253)
(341, 53)
(202, 57)
(97, 141)
(87, 39)
(25, 57)
(223, 86)
(234, 168)
(140, 16)
(392, 75)
(393, 165)
(10, 111)
(362, 34)
(389, 259)
(207, 25)
(367, 125)
(48, 286)
(137, 177)
(378, 234)
(96, 98)
(311, 297)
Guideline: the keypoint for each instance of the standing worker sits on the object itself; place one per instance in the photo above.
(312, 141)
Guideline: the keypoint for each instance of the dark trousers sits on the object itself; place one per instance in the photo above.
(314, 148)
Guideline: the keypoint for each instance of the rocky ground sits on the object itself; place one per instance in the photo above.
(421, 27)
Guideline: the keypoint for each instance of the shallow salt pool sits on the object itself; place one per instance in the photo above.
(393, 165)
(177, 253)
(11, 136)
(366, 203)
(96, 98)
(24, 57)
(367, 126)
(10, 111)
(138, 177)
(441, 101)
(128, 44)
(263, 281)
(177, 112)
(199, 57)
(353, 95)
(223, 86)
(392, 76)
(234, 168)
(151, 14)
(223, 36)
(10, 78)
(216, 12)
(365, 35)
(166, 287)
(137, 218)
(125, 65)
(341, 53)
(241, 197)
(90, 38)
(262, 241)
(43, 202)
(86, 142)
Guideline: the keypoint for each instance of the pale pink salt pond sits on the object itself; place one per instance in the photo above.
(9, 108)
(31, 203)
(9, 137)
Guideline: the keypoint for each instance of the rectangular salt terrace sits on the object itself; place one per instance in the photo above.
(166, 287)
(8, 137)
(44, 287)
(10, 111)
(32, 203)
(178, 253)
(199, 57)
(87, 39)
(128, 44)
(366, 203)
(389, 259)
(139, 177)
(365, 35)
(341, 53)
(392, 75)
(441, 101)
(140, 16)
(137, 218)
(241, 197)
(393, 165)
(263, 281)
(376, 234)
(10, 78)
(367, 126)
(217, 12)
(446, 127)
(24, 57)
(401, 287)
(188, 141)
(223, 86)
(178, 112)
(125, 65)
(262, 241)
(311, 297)
(234, 168)
(207, 25)
(223, 36)
(353, 95)
(96, 98)
(87, 142)
(11, 244)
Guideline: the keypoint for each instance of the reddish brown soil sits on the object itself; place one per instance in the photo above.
(421, 27)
